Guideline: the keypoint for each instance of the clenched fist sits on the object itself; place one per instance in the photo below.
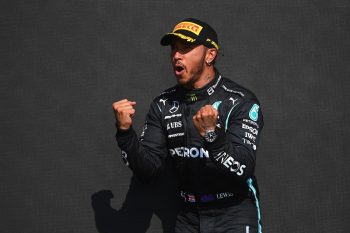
(205, 119)
(124, 111)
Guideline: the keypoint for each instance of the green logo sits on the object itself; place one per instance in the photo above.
(253, 113)
(193, 97)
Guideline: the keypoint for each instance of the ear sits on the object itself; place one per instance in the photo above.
(210, 55)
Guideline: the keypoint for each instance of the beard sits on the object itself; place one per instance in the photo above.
(193, 75)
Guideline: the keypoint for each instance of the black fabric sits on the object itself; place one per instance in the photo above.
(241, 218)
(207, 172)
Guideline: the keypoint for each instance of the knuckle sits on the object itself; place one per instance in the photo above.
(121, 110)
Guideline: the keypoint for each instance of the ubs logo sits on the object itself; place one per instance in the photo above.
(175, 107)
(174, 125)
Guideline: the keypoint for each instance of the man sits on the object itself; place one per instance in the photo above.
(210, 126)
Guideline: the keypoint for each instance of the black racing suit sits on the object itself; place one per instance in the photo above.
(211, 175)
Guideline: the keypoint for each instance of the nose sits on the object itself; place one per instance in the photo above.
(176, 55)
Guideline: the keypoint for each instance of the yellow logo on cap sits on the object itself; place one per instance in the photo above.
(189, 26)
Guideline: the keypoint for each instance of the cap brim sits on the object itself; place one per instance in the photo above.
(168, 38)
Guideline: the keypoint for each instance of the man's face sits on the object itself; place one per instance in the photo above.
(188, 62)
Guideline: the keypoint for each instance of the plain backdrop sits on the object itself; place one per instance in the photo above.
(63, 63)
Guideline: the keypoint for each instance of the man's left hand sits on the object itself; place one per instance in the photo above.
(205, 119)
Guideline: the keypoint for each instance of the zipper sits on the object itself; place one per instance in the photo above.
(186, 113)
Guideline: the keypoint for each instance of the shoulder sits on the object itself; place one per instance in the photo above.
(233, 89)
(237, 98)
(240, 102)
(167, 94)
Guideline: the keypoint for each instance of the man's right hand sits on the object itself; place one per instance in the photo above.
(124, 111)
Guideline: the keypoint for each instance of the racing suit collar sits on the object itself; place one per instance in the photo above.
(202, 93)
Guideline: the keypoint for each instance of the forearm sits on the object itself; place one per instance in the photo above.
(144, 162)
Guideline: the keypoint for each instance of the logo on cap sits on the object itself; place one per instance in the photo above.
(188, 26)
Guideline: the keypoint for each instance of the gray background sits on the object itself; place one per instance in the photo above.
(63, 63)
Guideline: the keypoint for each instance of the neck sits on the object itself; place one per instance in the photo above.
(206, 77)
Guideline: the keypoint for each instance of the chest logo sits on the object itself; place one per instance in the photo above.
(163, 101)
(174, 125)
(175, 107)
(233, 100)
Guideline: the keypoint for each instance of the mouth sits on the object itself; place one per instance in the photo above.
(179, 69)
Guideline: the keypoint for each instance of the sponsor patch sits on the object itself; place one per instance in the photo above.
(233, 101)
(124, 156)
(193, 97)
(211, 89)
(192, 152)
(175, 107)
(229, 162)
(251, 122)
(168, 92)
(163, 101)
(174, 125)
(191, 198)
(188, 26)
(250, 136)
(171, 116)
(250, 128)
(207, 198)
(224, 195)
(246, 141)
(232, 91)
(253, 113)
(176, 135)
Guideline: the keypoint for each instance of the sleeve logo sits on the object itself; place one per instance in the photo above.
(124, 156)
(253, 113)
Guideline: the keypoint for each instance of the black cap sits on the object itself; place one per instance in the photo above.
(193, 31)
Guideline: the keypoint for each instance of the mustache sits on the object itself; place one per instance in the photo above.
(178, 63)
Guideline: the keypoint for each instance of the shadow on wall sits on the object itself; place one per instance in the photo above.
(142, 201)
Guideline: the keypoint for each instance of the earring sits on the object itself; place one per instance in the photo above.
(208, 63)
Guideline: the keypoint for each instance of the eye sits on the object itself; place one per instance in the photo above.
(187, 48)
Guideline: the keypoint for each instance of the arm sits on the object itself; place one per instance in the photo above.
(234, 149)
(146, 156)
